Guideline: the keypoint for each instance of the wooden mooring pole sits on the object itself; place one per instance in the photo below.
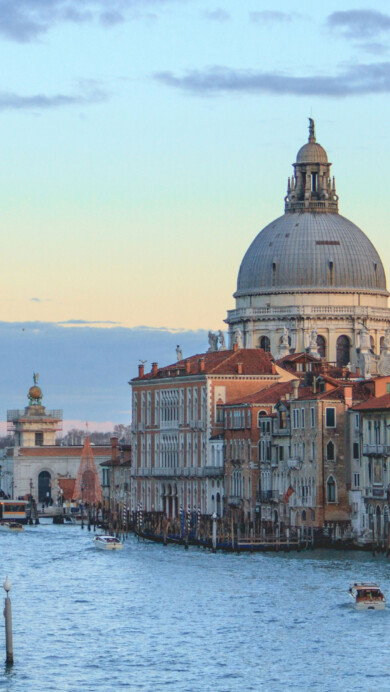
(8, 623)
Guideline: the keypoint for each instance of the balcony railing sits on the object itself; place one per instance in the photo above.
(235, 500)
(376, 450)
(294, 463)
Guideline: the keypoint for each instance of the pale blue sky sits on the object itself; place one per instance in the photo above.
(144, 147)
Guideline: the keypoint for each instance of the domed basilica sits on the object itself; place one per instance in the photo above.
(312, 280)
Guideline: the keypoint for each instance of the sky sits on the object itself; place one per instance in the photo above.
(144, 145)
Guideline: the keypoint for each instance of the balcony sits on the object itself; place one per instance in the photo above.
(376, 450)
(264, 496)
(169, 424)
(377, 493)
(212, 471)
(280, 431)
(235, 500)
(294, 463)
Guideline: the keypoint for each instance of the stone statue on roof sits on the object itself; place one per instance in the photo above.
(238, 337)
(213, 341)
(284, 344)
(383, 366)
(364, 337)
(179, 353)
(221, 340)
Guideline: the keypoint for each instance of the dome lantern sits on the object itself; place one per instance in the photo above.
(311, 187)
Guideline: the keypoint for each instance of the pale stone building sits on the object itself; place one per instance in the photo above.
(312, 280)
(35, 465)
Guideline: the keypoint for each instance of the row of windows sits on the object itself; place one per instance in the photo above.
(299, 420)
(170, 406)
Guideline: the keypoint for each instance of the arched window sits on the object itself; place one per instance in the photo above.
(303, 515)
(265, 344)
(330, 451)
(331, 490)
(44, 486)
(321, 345)
(342, 351)
(260, 415)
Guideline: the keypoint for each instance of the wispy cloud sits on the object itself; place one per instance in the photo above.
(357, 79)
(40, 300)
(88, 94)
(81, 323)
(217, 15)
(27, 20)
(361, 24)
(272, 17)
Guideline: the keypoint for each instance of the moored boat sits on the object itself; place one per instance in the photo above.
(367, 596)
(107, 543)
(11, 526)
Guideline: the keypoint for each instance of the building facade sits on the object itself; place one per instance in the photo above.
(177, 424)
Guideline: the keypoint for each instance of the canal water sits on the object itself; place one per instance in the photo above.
(154, 618)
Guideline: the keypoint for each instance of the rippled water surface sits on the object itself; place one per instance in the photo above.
(155, 618)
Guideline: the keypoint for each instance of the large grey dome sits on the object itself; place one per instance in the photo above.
(311, 251)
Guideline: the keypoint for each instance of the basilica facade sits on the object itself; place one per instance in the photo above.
(311, 280)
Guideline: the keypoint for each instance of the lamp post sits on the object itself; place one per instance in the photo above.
(30, 521)
(82, 505)
(8, 623)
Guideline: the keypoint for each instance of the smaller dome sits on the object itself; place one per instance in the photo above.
(35, 392)
(312, 153)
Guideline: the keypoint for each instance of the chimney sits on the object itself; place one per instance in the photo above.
(314, 385)
(141, 370)
(235, 346)
(201, 364)
(295, 385)
(239, 368)
(154, 368)
(114, 448)
(348, 396)
(273, 369)
(188, 367)
(358, 371)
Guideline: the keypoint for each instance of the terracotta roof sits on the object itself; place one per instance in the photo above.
(292, 357)
(359, 392)
(376, 402)
(254, 361)
(267, 395)
(53, 451)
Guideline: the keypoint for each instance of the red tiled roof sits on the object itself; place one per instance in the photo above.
(54, 451)
(376, 402)
(292, 357)
(268, 395)
(359, 392)
(254, 362)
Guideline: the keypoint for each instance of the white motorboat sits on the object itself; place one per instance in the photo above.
(11, 526)
(367, 596)
(107, 543)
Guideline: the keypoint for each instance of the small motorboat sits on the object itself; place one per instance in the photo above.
(367, 596)
(107, 543)
(13, 526)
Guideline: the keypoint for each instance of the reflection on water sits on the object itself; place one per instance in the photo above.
(155, 618)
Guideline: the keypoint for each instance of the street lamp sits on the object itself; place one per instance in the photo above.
(82, 505)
